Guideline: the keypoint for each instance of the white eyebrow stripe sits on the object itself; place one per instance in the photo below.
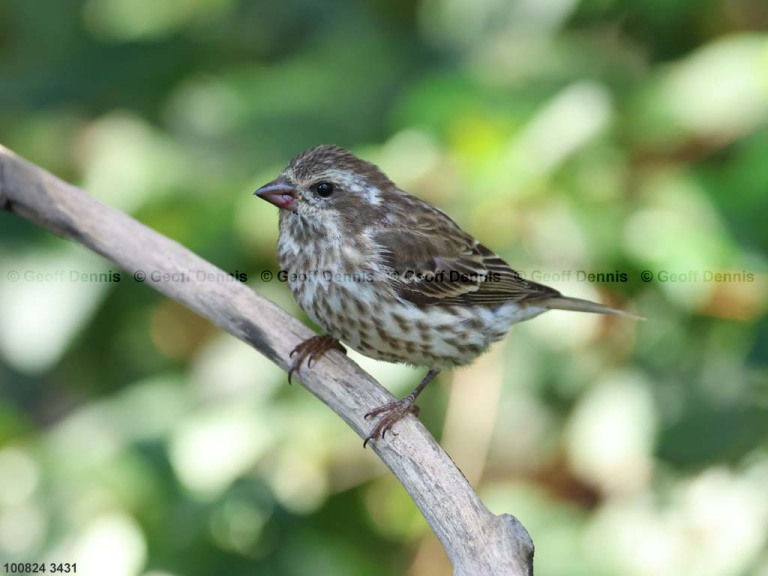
(353, 184)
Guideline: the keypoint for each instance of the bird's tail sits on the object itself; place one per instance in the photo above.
(580, 305)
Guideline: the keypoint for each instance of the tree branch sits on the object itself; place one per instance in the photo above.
(477, 542)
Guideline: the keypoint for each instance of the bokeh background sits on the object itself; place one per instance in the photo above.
(574, 137)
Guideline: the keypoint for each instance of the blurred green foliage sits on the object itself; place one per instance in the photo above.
(573, 137)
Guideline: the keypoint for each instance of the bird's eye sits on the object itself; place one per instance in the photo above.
(323, 189)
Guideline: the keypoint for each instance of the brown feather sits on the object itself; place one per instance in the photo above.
(437, 263)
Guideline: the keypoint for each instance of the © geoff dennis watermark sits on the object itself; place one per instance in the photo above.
(29, 275)
(705, 276)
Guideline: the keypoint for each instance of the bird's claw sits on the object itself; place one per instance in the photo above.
(392, 412)
(312, 349)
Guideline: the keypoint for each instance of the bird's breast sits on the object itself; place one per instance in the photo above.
(353, 301)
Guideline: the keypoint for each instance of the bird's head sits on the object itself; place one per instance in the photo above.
(327, 182)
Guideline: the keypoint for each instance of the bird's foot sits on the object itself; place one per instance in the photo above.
(390, 413)
(313, 348)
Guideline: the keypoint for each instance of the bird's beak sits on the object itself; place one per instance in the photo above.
(278, 192)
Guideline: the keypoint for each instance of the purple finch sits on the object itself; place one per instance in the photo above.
(392, 276)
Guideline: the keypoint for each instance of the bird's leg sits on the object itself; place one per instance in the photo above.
(395, 411)
(313, 348)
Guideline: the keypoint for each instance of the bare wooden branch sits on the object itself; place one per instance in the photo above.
(477, 541)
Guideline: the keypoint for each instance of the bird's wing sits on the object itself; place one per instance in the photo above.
(433, 261)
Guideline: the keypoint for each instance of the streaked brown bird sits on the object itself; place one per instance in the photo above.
(392, 276)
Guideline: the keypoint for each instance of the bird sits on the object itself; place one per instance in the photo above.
(392, 276)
